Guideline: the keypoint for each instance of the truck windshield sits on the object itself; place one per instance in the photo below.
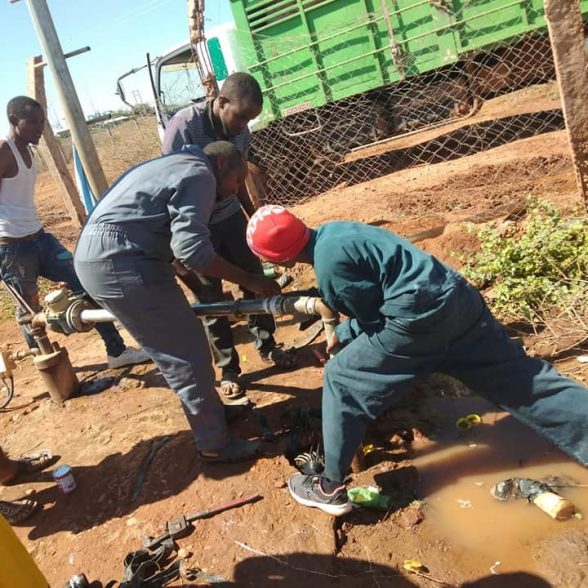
(179, 83)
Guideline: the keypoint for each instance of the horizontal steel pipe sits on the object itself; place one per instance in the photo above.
(96, 315)
(299, 307)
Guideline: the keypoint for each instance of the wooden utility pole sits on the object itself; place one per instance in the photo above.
(50, 149)
(566, 31)
(66, 92)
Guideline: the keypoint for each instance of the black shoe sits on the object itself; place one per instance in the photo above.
(236, 411)
(284, 359)
(236, 450)
(307, 490)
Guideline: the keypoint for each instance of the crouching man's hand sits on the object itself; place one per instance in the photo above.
(333, 344)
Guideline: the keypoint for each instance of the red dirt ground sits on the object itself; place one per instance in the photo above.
(107, 436)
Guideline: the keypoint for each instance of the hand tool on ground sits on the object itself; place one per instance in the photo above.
(182, 526)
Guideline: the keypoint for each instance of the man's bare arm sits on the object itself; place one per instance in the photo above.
(260, 285)
(6, 160)
(221, 268)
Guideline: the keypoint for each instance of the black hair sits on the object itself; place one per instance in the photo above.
(232, 155)
(20, 106)
(241, 87)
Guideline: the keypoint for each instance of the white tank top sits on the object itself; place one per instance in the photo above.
(18, 214)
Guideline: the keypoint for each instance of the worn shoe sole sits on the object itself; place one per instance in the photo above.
(335, 510)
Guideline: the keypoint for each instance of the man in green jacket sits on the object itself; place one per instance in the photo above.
(409, 315)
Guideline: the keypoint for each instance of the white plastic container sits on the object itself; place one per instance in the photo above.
(64, 479)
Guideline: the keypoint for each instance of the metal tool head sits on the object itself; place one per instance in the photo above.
(178, 526)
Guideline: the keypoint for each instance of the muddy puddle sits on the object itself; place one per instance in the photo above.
(459, 469)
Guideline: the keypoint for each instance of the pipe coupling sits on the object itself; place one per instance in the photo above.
(63, 312)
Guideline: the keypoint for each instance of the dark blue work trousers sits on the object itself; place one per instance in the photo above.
(461, 339)
(144, 296)
(22, 262)
(228, 239)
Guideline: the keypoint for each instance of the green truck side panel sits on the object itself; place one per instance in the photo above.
(217, 59)
(306, 53)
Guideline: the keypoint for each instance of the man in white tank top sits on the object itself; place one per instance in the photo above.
(26, 250)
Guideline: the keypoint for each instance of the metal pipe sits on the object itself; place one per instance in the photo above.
(66, 55)
(299, 307)
(237, 308)
(96, 315)
(312, 306)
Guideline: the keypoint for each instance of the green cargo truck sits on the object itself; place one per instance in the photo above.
(341, 74)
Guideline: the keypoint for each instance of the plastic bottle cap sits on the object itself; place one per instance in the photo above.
(62, 471)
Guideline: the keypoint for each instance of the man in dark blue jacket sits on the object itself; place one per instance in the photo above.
(409, 315)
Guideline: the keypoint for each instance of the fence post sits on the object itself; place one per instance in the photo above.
(51, 149)
(566, 31)
(66, 93)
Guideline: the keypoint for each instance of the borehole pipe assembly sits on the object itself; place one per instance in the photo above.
(68, 314)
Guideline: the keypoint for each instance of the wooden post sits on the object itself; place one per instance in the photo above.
(255, 183)
(566, 31)
(66, 92)
(50, 148)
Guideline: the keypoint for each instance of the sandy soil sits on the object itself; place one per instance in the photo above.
(107, 436)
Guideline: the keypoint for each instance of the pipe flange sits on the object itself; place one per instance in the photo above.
(275, 305)
(73, 317)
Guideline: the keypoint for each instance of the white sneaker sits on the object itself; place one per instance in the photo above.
(130, 356)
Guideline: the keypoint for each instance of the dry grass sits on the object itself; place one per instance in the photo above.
(122, 146)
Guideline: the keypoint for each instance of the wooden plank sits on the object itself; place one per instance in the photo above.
(506, 210)
(566, 31)
(51, 150)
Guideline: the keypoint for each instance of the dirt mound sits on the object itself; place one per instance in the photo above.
(562, 558)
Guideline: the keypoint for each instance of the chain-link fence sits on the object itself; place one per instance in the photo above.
(487, 99)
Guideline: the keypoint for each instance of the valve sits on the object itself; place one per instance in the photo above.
(62, 313)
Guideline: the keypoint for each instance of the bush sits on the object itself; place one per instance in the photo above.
(535, 267)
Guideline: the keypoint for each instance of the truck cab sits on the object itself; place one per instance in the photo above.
(176, 79)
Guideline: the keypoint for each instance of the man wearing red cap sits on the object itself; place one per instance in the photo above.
(409, 315)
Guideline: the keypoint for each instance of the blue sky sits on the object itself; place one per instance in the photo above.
(119, 32)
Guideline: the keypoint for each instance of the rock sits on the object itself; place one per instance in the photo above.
(131, 522)
(410, 517)
(184, 553)
(280, 484)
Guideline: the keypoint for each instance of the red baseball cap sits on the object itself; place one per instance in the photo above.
(275, 234)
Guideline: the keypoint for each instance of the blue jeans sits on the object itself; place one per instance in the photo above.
(461, 339)
(23, 262)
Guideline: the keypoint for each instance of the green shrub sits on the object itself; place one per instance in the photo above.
(534, 267)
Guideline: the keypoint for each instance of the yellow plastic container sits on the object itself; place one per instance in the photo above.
(17, 568)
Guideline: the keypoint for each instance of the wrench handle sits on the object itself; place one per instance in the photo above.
(209, 512)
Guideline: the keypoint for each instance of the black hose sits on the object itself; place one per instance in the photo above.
(9, 385)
